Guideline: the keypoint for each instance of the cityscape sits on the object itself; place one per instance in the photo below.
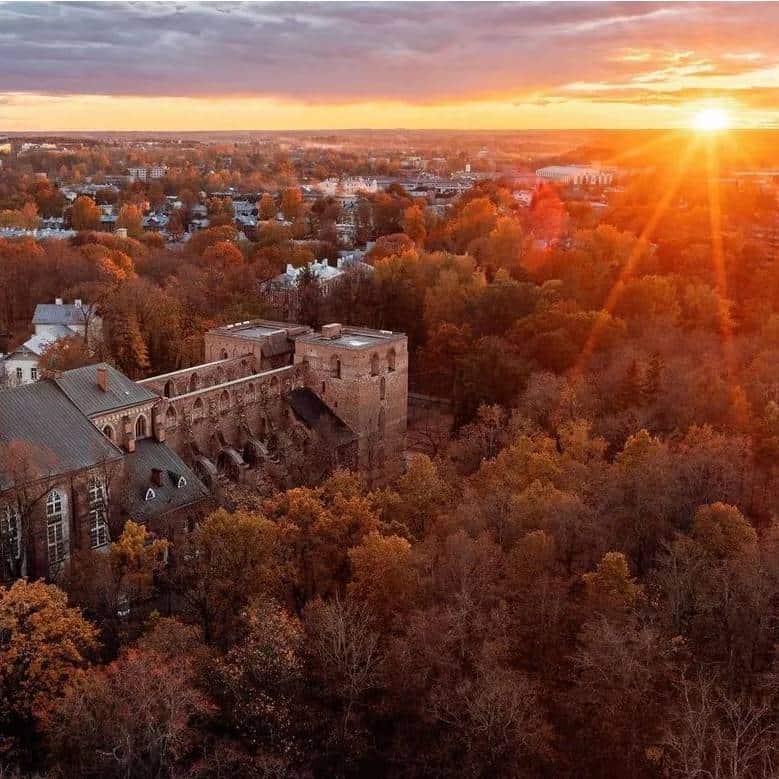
(389, 390)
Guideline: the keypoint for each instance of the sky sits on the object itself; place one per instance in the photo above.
(273, 66)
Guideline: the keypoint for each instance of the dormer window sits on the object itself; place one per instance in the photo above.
(150, 494)
(181, 483)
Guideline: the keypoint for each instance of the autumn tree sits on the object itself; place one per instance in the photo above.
(64, 354)
(228, 561)
(131, 219)
(44, 645)
(84, 214)
(135, 717)
(267, 207)
(291, 203)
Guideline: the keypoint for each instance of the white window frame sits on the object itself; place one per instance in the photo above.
(56, 529)
(98, 515)
(34, 373)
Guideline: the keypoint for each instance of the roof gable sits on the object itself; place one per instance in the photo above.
(80, 385)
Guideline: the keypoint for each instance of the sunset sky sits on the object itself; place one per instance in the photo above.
(230, 66)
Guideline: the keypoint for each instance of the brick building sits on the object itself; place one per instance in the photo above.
(81, 453)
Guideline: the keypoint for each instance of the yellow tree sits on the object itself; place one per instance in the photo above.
(131, 219)
(44, 644)
(383, 578)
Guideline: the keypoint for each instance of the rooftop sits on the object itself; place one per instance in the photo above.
(58, 438)
(59, 314)
(258, 328)
(81, 386)
(353, 338)
(315, 414)
(178, 486)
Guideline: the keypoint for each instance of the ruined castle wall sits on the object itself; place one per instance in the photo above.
(229, 414)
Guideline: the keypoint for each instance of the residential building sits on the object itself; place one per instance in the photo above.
(51, 321)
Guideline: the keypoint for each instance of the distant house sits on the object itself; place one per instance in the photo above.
(282, 290)
(51, 321)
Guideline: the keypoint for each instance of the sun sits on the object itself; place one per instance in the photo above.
(711, 120)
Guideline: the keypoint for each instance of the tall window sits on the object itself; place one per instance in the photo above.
(198, 410)
(55, 530)
(140, 427)
(391, 360)
(108, 432)
(224, 401)
(335, 367)
(98, 525)
(375, 365)
(170, 389)
(19, 374)
(170, 418)
(193, 382)
(382, 388)
(34, 374)
(11, 531)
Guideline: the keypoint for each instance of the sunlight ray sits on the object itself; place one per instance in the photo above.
(627, 271)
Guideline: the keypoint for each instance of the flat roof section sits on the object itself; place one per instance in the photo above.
(258, 328)
(354, 338)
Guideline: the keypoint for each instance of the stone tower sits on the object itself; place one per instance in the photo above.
(362, 375)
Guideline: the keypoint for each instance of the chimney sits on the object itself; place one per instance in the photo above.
(331, 331)
(290, 269)
(156, 477)
(57, 301)
(102, 377)
(77, 302)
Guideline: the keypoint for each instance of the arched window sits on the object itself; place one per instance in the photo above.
(250, 393)
(170, 389)
(391, 360)
(55, 529)
(140, 427)
(335, 367)
(382, 388)
(244, 367)
(274, 386)
(224, 401)
(382, 420)
(108, 432)
(98, 525)
(194, 382)
(11, 531)
(170, 418)
(375, 365)
(198, 410)
(223, 354)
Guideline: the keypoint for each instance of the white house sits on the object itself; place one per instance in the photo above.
(51, 321)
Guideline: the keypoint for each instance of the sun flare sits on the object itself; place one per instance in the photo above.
(711, 120)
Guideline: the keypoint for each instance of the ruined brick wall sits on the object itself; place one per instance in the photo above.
(198, 377)
(229, 414)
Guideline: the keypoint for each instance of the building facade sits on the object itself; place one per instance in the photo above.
(276, 402)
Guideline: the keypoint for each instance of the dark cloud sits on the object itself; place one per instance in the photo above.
(420, 52)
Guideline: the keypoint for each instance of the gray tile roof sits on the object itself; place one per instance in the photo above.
(80, 385)
(168, 496)
(318, 416)
(52, 314)
(59, 437)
